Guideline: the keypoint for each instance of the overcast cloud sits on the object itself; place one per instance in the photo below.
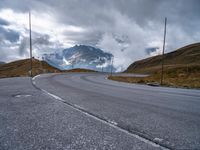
(129, 29)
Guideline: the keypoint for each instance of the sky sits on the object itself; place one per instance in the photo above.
(129, 29)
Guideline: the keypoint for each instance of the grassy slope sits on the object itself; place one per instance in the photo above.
(1, 63)
(181, 68)
(22, 67)
(184, 57)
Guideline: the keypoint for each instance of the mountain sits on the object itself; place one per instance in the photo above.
(80, 56)
(22, 67)
(183, 59)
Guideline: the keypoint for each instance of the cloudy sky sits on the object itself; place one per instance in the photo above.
(129, 29)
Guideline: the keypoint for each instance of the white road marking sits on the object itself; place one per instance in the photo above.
(35, 77)
(18, 96)
(113, 122)
(77, 106)
(108, 122)
(52, 95)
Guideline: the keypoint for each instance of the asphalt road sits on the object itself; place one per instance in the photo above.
(87, 111)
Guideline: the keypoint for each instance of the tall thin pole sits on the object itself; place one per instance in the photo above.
(72, 65)
(111, 71)
(31, 73)
(163, 52)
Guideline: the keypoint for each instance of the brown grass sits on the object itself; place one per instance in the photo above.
(181, 68)
(183, 57)
(174, 77)
(22, 68)
(79, 70)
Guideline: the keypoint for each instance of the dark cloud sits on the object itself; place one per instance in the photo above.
(8, 34)
(42, 40)
(123, 27)
(150, 50)
(87, 37)
(23, 46)
(23, 5)
(106, 16)
(3, 22)
(100, 15)
(38, 41)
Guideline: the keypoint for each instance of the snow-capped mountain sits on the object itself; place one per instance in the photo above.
(80, 56)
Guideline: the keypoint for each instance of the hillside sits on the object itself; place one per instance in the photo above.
(181, 69)
(22, 67)
(186, 58)
(2, 63)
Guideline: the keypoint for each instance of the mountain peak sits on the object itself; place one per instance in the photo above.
(80, 56)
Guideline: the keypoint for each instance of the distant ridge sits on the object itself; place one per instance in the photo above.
(79, 70)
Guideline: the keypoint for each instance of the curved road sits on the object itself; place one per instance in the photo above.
(169, 117)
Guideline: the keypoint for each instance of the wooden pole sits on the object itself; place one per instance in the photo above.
(163, 52)
(31, 63)
(111, 71)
